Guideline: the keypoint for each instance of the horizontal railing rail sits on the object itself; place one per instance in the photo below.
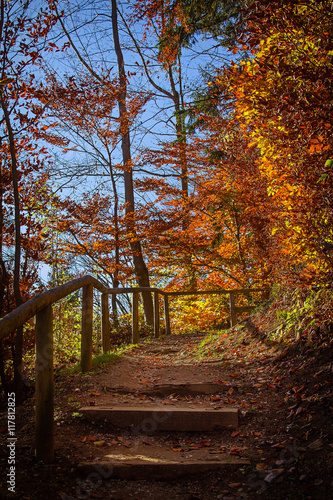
(40, 307)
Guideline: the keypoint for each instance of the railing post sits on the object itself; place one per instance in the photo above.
(44, 385)
(167, 315)
(232, 310)
(156, 315)
(86, 333)
(105, 322)
(135, 317)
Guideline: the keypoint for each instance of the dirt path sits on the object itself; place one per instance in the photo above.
(284, 439)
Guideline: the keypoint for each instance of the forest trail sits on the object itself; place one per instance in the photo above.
(281, 447)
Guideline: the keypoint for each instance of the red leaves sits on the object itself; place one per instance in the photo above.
(87, 439)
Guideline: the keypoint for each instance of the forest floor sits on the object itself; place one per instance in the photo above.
(285, 436)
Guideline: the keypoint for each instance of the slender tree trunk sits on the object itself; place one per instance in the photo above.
(18, 380)
(3, 280)
(115, 279)
(140, 267)
(3, 274)
(181, 140)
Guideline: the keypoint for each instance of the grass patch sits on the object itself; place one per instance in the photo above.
(208, 345)
(104, 359)
(98, 361)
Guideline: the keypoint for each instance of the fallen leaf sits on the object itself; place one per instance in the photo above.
(261, 466)
(235, 433)
(270, 478)
(234, 485)
(316, 445)
(237, 450)
(299, 410)
(99, 443)
(279, 446)
(206, 443)
(86, 439)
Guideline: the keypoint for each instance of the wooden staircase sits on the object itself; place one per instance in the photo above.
(149, 457)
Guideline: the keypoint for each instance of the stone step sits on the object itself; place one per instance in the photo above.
(148, 419)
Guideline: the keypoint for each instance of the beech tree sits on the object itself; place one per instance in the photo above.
(282, 98)
(23, 34)
(110, 130)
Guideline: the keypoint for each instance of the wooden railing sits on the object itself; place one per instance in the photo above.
(41, 307)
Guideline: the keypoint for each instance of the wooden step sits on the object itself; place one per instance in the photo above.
(149, 419)
(203, 388)
(146, 467)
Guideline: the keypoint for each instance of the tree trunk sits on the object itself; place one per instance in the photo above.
(138, 261)
(18, 380)
(181, 140)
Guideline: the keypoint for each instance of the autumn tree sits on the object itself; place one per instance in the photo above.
(92, 121)
(23, 33)
(162, 22)
(282, 98)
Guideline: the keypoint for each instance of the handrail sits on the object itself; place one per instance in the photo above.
(40, 306)
(236, 291)
(29, 309)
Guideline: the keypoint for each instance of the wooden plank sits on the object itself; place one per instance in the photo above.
(135, 318)
(158, 467)
(151, 419)
(105, 322)
(87, 325)
(217, 292)
(44, 426)
(156, 315)
(167, 315)
(136, 289)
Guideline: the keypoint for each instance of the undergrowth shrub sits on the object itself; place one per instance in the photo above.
(301, 314)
